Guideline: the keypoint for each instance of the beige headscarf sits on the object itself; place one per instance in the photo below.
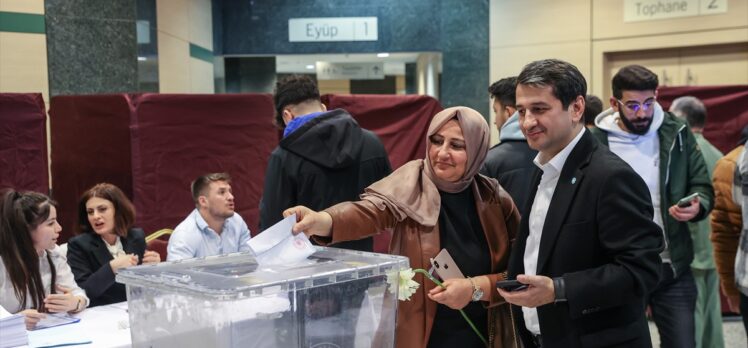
(413, 189)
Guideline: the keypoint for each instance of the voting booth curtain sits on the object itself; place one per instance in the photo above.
(727, 111)
(90, 145)
(400, 121)
(176, 138)
(153, 145)
(23, 142)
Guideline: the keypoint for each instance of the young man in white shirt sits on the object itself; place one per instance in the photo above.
(213, 228)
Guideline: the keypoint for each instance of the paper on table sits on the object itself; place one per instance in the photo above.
(52, 320)
(57, 337)
(277, 245)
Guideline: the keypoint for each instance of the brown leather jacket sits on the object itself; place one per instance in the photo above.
(727, 220)
(500, 220)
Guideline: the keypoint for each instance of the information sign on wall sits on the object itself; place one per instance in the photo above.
(647, 10)
(332, 29)
(350, 71)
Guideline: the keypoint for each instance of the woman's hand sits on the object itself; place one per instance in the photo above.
(151, 257)
(456, 293)
(310, 222)
(64, 302)
(32, 317)
(123, 261)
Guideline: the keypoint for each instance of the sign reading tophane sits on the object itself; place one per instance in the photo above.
(647, 10)
(332, 29)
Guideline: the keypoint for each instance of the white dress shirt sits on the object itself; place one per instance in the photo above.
(194, 238)
(11, 303)
(551, 172)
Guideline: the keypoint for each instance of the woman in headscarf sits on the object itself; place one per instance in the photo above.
(439, 202)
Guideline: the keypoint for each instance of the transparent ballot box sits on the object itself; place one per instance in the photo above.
(335, 298)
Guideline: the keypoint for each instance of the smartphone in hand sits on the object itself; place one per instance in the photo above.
(445, 266)
(511, 285)
(686, 201)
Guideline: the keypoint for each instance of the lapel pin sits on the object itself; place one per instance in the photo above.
(573, 181)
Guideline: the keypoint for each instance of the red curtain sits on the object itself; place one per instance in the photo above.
(400, 121)
(23, 142)
(176, 138)
(727, 111)
(90, 145)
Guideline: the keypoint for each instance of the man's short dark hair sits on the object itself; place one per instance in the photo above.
(690, 108)
(505, 91)
(634, 78)
(593, 106)
(291, 90)
(564, 78)
(201, 184)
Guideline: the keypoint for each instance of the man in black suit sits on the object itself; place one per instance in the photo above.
(587, 246)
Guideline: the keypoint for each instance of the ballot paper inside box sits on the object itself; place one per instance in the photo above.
(335, 298)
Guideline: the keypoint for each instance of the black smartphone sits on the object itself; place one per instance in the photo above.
(511, 285)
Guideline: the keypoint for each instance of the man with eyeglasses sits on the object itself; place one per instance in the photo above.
(663, 151)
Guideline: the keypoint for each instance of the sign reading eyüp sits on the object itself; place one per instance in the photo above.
(332, 29)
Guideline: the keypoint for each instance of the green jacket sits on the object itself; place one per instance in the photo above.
(684, 173)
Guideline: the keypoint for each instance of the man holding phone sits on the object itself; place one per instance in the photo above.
(587, 247)
(661, 148)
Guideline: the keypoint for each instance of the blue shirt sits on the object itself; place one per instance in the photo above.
(193, 238)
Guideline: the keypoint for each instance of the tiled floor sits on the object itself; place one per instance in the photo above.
(733, 328)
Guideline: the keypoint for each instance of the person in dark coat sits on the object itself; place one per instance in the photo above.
(324, 158)
(587, 246)
(108, 243)
(509, 161)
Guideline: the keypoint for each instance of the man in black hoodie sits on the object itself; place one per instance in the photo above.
(323, 159)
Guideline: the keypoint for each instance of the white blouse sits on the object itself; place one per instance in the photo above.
(65, 278)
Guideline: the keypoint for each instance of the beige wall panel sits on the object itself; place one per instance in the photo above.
(173, 18)
(720, 65)
(173, 64)
(23, 63)
(400, 84)
(22, 6)
(601, 49)
(607, 21)
(509, 61)
(334, 86)
(201, 23)
(201, 76)
(664, 63)
(526, 22)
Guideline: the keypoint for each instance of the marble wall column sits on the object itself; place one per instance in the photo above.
(91, 46)
(465, 54)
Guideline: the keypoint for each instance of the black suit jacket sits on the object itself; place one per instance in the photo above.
(89, 259)
(599, 236)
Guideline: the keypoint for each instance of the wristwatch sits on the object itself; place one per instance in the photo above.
(477, 291)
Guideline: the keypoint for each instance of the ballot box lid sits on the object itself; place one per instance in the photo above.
(239, 275)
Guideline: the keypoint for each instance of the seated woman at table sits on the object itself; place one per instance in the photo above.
(439, 202)
(108, 243)
(34, 277)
